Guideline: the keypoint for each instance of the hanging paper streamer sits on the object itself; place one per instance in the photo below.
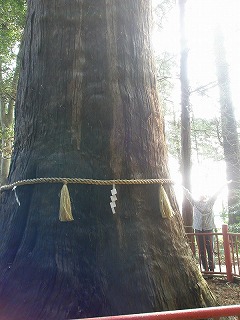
(65, 211)
(16, 197)
(165, 206)
(113, 198)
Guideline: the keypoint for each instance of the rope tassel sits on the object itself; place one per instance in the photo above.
(165, 206)
(65, 211)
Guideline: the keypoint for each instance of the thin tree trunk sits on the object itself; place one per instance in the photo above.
(87, 107)
(231, 145)
(6, 121)
(187, 210)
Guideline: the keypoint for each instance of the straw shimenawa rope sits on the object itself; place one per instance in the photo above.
(65, 211)
(84, 181)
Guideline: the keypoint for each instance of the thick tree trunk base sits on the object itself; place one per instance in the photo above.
(100, 264)
(87, 107)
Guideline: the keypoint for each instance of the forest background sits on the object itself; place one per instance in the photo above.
(202, 17)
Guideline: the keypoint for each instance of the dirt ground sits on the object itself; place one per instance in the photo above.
(226, 293)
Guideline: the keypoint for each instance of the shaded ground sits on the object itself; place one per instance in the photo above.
(226, 293)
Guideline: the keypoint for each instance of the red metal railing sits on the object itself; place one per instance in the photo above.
(226, 252)
(227, 262)
(200, 313)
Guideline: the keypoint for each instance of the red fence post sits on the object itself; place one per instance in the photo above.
(227, 253)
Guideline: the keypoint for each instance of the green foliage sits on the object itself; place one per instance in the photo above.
(165, 66)
(6, 89)
(12, 19)
(166, 78)
(224, 214)
(206, 139)
(234, 228)
(161, 10)
(8, 137)
(205, 133)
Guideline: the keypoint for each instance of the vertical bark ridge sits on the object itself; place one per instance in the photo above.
(118, 129)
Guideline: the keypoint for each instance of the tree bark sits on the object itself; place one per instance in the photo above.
(187, 210)
(87, 107)
(231, 145)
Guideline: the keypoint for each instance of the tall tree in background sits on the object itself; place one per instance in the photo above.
(230, 138)
(7, 99)
(87, 107)
(12, 17)
(187, 210)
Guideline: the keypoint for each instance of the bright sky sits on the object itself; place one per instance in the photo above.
(202, 16)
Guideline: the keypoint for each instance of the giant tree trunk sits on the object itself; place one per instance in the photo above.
(87, 107)
(187, 210)
(231, 145)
